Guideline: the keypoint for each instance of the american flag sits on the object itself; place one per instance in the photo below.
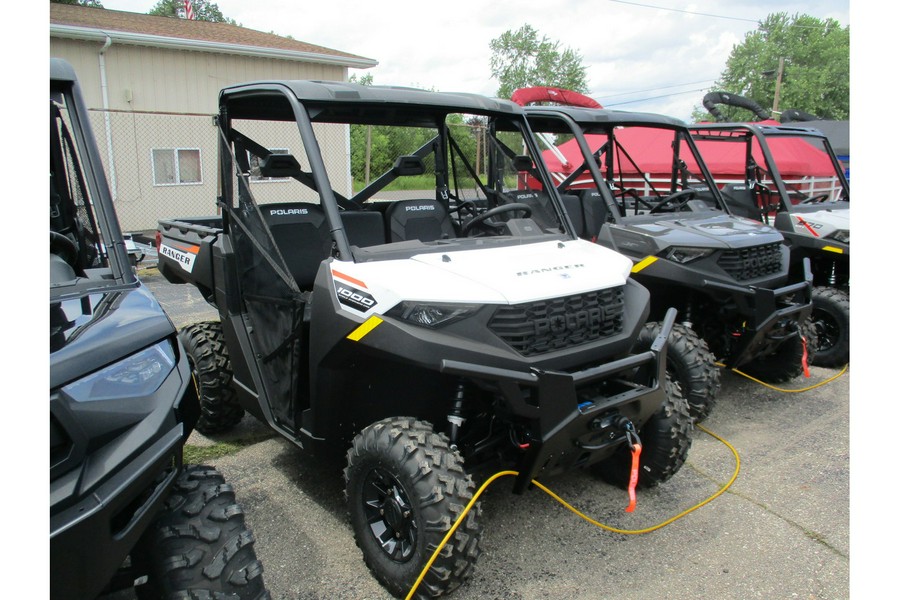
(188, 10)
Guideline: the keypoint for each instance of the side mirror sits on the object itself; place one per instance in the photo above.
(408, 165)
(523, 163)
(279, 165)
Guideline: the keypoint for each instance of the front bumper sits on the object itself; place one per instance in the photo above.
(104, 496)
(566, 427)
(767, 311)
(89, 540)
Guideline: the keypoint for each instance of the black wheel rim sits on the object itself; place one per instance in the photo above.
(389, 515)
(827, 330)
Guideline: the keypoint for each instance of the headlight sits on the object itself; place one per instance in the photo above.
(841, 235)
(684, 255)
(431, 315)
(139, 375)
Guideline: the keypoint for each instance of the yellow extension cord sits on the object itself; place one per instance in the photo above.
(722, 490)
(778, 389)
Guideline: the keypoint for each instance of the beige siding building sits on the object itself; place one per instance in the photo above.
(152, 85)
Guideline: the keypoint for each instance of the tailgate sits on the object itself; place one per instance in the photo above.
(186, 250)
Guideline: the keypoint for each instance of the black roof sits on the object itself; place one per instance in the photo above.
(383, 103)
(61, 70)
(598, 116)
(837, 132)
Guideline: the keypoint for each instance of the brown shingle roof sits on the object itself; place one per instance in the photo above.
(169, 27)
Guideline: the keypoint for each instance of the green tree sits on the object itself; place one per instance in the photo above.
(203, 11)
(816, 75)
(366, 79)
(91, 3)
(523, 58)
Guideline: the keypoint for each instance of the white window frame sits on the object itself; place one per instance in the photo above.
(175, 152)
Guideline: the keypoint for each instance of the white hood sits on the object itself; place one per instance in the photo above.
(823, 222)
(508, 275)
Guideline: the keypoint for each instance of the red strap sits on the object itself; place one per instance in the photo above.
(805, 360)
(632, 482)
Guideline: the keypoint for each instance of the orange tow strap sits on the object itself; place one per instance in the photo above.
(632, 482)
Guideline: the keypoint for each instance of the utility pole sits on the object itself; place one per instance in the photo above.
(778, 84)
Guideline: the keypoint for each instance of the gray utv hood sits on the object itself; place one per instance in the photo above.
(712, 230)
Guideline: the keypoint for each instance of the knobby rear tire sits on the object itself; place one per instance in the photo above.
(207, 354)
(831, 319)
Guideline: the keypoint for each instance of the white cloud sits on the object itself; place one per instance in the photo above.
(445, 45)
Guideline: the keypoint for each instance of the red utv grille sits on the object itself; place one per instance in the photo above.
(753, 262)
(560, 323)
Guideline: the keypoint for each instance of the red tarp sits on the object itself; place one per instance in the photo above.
(794, 157)
(651, 150)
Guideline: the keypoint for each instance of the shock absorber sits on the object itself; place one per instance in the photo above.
(688, 314)
(455, 417)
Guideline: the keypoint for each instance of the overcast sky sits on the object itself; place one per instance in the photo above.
(657, 56)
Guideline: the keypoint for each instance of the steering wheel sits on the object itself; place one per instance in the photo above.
(63, 247)
(482, 219)
(816, 199)
(678, 199)
(467, 206)
(637, 199)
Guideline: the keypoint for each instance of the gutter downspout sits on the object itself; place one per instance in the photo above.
(104, 92)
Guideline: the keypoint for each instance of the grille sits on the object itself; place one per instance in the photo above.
(559, 323)
(753, 262)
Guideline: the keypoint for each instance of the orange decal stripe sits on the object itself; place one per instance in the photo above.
(191, 249)
(348, 278)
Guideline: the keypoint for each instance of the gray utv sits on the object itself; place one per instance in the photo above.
(788, 176)
(626, 184)
(124, 511)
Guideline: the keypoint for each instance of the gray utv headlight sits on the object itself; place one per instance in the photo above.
(137, 376)
(428, 314)
(841, 235)
(686, 254)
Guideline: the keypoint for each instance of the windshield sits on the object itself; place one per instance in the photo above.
(372, 182)
(644, 168)
(782, 168)
(401, 175)
(77, 249)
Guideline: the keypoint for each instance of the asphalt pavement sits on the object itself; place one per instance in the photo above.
(781, 531)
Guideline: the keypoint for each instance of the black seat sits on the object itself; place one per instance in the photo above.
(302, 235)
(423, 220)
(572, 204)
(596, 213)
(542, 211)
(741, 200)
(363, 227)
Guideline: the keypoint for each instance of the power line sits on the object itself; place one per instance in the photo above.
(654, 97)
(689, 12)
(665, 87)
